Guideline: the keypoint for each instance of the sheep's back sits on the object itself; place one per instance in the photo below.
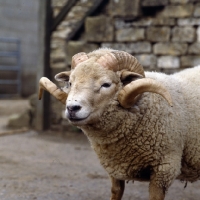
(184, 88)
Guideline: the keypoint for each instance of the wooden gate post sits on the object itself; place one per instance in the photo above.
(43, 68)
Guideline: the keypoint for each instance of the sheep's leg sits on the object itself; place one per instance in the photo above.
(162, 178)
(117, 189)
(155, 192)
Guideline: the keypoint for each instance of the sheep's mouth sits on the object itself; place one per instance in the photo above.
(75, 120)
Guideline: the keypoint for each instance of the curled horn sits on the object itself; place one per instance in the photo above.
(78, 58)
(127, 96)
(119, 60)
(46, 84)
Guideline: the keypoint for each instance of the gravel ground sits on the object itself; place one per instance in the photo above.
(52, 166)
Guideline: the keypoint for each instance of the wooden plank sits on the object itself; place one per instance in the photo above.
(79, 24)
(62, 14)
(43, 68)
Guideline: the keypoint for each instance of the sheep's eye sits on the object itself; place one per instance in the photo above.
(106, 85)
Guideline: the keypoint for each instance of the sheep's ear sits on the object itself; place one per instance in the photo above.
(127, 77)
(46, 84)
(63, 76)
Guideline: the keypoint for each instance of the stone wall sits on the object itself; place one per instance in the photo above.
(66, 27)
(59, 55)
(163, 34)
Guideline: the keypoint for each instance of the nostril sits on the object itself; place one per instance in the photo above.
(73, 108)
(76, 108)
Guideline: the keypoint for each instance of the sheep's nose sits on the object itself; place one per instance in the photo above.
(73, 109)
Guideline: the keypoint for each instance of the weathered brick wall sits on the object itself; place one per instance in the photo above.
(163, 34)
(167, 39)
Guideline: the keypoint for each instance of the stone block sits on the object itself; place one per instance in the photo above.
(179, 1)
(20, 120)
(120, 23)
(168, 62)
(56, 11)
(117, 46)
(130, 34)
(147, 60)
(99, 29)
(183, 34)
(58, 55)
(79, 10)
(158, 34)
(85, 3)
(177, 11)
(140, 47)
(124, 8)
(173, 49)
(189, 22)
(144, 22)
(57, 43)
(163, 21)
(132, 48)
(198, 34)
(197, 11)
(149, 3)
(190, 61)
(33, 99)
(194, 48)
(62, 34)
(74, 47)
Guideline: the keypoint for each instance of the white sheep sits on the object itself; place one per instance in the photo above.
(134, 131)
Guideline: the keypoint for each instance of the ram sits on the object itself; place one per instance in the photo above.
(143, 126)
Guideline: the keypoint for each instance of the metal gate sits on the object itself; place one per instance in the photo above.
(10, 67)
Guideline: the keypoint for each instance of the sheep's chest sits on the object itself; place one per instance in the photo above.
(134, 173)
(126, 154)
(125, 162)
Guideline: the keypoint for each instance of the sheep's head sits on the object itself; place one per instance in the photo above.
(100, 79)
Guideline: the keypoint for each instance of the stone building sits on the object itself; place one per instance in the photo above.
(164, 35)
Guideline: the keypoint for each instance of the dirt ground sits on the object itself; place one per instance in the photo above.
(52, 166)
